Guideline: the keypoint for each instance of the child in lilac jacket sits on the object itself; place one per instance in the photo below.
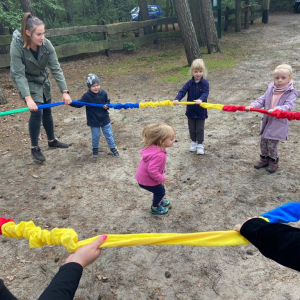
(280, 95)
(150, 173)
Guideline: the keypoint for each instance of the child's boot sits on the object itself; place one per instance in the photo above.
(159, 210)
(273, 164)
(263, 162)
(95, 152)
(114, 152)
(193, 147)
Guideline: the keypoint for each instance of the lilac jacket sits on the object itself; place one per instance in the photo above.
(152, 166)
(271, 127)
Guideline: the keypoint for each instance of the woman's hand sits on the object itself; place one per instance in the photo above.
(270, 110)
(238, 227)
(66, 98)
(175, 102)
(198, 101)
(88, 253)
(106, 107)
(247, 108)
(31, 104)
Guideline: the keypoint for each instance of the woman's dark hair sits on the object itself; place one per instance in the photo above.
(29, 23)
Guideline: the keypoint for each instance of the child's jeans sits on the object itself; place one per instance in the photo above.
(107, 132)
(196, 128)
(158, 192)
(269, 147)
(36, 118)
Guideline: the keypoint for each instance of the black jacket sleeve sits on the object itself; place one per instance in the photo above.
(64, 284)
(5, 294)
(278, 242)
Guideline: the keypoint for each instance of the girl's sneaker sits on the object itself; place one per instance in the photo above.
(164, 202)
(193, 147)
(200, 149)
(159, 210)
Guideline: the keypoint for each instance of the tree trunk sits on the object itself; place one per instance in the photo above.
(68, 8)
(2, 97)
(197, 18)
(144, 14)
(26, 6)
(210, 27)
(187, 30)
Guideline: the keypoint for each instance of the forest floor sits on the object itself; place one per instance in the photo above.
(208, 192)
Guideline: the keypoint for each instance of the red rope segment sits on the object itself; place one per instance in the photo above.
(279, 114)
(3, 221)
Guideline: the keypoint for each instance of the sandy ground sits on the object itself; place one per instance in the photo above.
(210, 192)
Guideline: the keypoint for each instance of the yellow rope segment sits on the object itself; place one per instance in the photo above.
(169, 102)
(68, 238)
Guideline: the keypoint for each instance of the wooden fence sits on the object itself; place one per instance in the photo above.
(111, 35)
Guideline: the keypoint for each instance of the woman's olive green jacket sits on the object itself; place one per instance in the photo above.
(31, 76)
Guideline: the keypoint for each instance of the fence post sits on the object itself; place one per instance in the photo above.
(219, 19)
(226, 19)
(247, 9)
(237, 15)
(155, 31)
(265, 12)
(105, 36)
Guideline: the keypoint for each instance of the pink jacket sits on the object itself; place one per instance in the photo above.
(151, 169)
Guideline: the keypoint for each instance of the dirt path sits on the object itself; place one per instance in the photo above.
(211, 192)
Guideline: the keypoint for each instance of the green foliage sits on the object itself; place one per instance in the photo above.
(10, 14)
(129, 46)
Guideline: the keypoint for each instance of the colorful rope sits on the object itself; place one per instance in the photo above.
(279, 114)
(68, 238)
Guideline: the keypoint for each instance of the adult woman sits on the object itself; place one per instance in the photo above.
(30, 54)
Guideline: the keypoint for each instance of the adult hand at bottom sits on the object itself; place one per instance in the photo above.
(88, 253)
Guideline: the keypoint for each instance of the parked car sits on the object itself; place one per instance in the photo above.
(297, 6)
(155, 12)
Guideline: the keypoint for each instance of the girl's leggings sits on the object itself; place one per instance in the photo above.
(158, 192)
(36, 117)
(269, 147)
(196, 128)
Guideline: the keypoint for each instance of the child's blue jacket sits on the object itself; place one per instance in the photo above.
(95, 116)
(195, 91)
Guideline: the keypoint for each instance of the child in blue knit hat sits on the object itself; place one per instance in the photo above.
(98, 117)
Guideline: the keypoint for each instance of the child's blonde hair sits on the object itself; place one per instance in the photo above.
(198, 64)
(286, 68)
(155, 134)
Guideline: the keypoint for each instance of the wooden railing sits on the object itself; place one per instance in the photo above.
(109, 33)
(108, 37)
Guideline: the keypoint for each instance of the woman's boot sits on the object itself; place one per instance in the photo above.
(273, 164)
(264, 162)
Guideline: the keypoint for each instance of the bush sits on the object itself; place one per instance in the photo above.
(129, 46)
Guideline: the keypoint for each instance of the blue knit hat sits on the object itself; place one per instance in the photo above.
(92, 79)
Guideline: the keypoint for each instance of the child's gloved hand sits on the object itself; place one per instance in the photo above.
(198, 101)
(175, 102)
(247, 108)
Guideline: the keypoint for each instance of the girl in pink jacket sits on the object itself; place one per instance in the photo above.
(280, 95)
(150, 173)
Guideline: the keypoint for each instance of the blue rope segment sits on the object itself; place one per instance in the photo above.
(42, 106)
(115, 106)
(289, 212)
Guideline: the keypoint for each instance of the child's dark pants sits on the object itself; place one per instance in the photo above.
(158, 192)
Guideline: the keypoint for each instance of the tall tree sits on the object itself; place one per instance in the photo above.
(26, 6)
(212, 39)
(197, 18)
(144, 14)
(187, 29)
